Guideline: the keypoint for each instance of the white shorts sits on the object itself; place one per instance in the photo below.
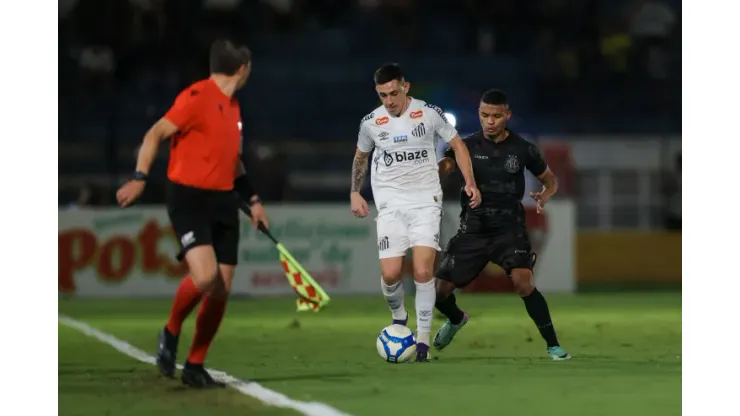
(402, 228)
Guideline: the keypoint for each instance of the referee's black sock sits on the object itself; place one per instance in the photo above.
(448, 307)
(539, 312)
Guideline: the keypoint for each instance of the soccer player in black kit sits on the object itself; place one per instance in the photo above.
(496, 230)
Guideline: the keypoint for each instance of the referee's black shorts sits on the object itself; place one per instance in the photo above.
(468, 253)
(205, 217)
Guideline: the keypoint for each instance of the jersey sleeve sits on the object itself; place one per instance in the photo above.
(439, 122)
(446, 151)
(535, 162)
(185, 109)
(364, 141)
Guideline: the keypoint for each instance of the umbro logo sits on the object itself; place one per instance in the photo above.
(383, 136)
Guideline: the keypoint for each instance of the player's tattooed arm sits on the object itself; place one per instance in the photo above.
(359, 169)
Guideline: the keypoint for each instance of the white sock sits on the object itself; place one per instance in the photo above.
(394, 297)
(426, 295)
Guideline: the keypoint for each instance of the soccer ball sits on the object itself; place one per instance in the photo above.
(396, 344)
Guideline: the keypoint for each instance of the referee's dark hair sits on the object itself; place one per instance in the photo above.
(388, 73)
(495, 97)
(226, 58)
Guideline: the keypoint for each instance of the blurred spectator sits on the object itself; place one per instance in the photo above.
(88, 196)
(122, 62)
(615, 44)
(282, 15)
(403, 20)
(148, 23)
(325, 13)
(227, 5)
(265, 163)
(66, 7)
(478, 25)
(651, 26)
(674, 197)
(97, 64)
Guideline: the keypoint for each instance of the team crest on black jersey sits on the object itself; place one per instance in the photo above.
(512, 164)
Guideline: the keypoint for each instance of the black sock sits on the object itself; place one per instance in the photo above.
(448, 307)
(194, 366)
(539, 312)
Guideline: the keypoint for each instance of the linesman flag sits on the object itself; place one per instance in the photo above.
(311, 296)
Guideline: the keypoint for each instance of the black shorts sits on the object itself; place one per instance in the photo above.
(205, 217)
(467, 254)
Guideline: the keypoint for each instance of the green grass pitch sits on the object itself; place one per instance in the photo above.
(626, 349)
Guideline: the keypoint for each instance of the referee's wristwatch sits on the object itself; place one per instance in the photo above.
(140, 176)
(254, 200)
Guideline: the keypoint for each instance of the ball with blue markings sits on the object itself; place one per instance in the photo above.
(396, 344)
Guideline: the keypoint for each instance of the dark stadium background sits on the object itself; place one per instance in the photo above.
(572, 67)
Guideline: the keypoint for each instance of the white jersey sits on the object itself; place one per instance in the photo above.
(404, 168)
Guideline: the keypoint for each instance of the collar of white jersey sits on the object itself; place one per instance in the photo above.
(411, 103)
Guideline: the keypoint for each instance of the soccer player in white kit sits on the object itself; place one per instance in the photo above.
(408, 196)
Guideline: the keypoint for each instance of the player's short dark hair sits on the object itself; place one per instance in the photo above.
(226, 58)
(388, 73)
(495, 97)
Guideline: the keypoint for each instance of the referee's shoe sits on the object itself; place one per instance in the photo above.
(196, 376)
(167, 353)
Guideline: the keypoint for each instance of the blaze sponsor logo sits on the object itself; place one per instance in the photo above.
(418, 157)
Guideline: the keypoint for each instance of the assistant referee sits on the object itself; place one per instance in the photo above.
(205, 129)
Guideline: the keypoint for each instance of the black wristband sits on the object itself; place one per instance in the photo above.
(244, 187)
(140, 176)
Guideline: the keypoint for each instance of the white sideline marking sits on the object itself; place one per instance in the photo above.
(249, 388)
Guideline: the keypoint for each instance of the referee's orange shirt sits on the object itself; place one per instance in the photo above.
(204, 152)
